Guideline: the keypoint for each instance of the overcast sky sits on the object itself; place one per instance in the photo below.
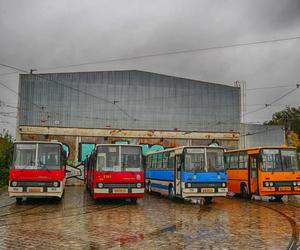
(46, 35)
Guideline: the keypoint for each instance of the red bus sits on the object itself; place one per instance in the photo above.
(38, 170)
(115, 171)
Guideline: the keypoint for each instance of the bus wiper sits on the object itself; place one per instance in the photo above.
(44, 166)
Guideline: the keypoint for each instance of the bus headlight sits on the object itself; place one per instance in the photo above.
(139, 185)
(271, 184)
(223, 184)
(294, 183)
(266, 184)
(298, 183)
(55, 184)
(14, 183)
(100, 185)
(189, 185)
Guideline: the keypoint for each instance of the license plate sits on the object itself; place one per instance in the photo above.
(284, 188)
(120, 190)
(35, 190)
(208, 190)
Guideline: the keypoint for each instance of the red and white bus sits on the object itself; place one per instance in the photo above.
(115, 171)
(38, 170)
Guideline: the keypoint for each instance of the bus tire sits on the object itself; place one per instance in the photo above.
(244, 191)
(149, 189)
(58, 199)
(171, 194)
(278, 197)
(19, 200)
(208, 200)
(133, 200)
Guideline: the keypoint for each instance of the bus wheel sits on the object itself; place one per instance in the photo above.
(149, 187)
(278, 197)
(207, 200)
(171, 194)
(244, 192)
(19, 200)
(133, 200)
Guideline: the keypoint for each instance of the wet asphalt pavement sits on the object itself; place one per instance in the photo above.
(77, 222)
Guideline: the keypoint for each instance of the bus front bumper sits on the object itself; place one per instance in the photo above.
(119, 191)
(35, 192)
(205, 192)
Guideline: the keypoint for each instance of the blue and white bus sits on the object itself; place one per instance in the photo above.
(187, 172)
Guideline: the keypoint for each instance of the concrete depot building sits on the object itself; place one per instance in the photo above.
(85, 108)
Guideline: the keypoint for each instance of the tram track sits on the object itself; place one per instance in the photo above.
(17, 212)
(62, 217)
(7, 205)
(295, 230)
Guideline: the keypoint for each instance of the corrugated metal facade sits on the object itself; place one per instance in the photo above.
(253, 135)
(127, 100)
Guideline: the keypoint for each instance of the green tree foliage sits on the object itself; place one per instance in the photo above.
(6, 148)
(290, 116)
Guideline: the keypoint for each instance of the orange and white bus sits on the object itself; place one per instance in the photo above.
(263, 171)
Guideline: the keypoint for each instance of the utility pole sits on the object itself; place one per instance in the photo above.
(243, 106)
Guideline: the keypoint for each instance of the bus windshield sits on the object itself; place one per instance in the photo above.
(204, 160)
(275, 160)
(289, 160)
(49, 156)
(215, 160)
(119, 158)
(24, 156)
(195, 160)
(36, 156)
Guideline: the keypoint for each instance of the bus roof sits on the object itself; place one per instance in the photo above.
(181, 147)
(40, 142)
(258, 148)
(131, 145)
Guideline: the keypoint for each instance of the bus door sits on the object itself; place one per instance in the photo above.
(178, 175)
(253, 174)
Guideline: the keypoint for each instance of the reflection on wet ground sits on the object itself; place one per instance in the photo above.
(153, 223)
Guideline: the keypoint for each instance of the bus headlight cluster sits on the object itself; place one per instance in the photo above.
(298, 183)
(139, 185)
(14, 183)
(269, 184)
(55, 184)
(100, 185)
(223, 184)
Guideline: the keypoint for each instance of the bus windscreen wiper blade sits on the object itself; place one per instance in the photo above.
(44, 166)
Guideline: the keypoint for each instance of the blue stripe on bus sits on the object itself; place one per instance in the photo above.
(166, 175)
(160, 186)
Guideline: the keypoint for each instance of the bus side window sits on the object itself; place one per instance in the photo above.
(243, 157)
(165, 160)
(171, 162)
(151, 161)
(234, 160)
(227, 161)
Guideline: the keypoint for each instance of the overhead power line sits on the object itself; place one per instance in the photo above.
(274, 101)
(173, 52)
(69, 87)
(12, 90)
(272, 87)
